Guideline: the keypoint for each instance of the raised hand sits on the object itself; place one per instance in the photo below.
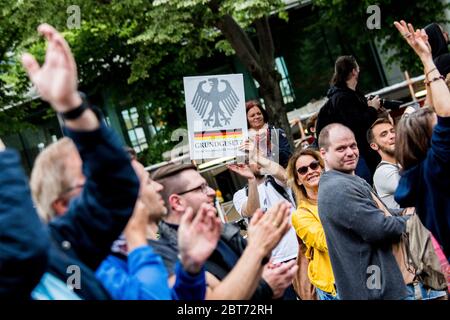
(242, 170)
(247, 145)
(418, 40)
(57, 79)
(255, 156)
(266, 230)
(136, 230)
(198, 236)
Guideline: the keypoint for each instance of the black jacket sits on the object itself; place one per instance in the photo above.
(350, 108)
(439, 48)
(23, 240)
(167, 247)
(83, 236)
(284, 149)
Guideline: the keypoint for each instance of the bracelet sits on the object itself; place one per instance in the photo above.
(426, 75)
(78, 111)
(427, 83)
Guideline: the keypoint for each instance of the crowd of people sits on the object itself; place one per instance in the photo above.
(362, 213)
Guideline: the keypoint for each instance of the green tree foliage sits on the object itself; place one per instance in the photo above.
(128, 46)
(349, 18)
(137, 51)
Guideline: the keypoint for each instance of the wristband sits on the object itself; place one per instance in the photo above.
(78, 111)
(427, 83)
(426, 75)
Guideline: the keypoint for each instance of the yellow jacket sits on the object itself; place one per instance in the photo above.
(308, 227)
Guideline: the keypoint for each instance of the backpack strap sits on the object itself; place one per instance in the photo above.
(281, 190)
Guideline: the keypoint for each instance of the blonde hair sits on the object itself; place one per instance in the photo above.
(49, 176)
(299, 190)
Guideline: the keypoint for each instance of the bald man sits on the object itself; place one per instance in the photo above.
(360, 236)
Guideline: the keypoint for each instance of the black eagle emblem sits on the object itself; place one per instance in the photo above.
(222, 103)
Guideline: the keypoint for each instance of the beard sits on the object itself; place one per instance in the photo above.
(390, 152)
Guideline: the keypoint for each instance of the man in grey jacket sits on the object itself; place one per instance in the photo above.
(359, 235)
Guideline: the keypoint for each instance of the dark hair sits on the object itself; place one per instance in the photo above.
(312, 121)
(170, 170)
(168, 177)
(255, 103)
(299, 190)
(342, 68)
(369, 134)
(413, 136)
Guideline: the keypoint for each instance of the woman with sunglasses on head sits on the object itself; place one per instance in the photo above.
(304, 170)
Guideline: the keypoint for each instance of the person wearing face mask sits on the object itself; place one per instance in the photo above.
(438, 40)
(304, 172)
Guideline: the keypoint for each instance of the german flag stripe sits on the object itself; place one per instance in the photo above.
(218, 133)
(219, 137)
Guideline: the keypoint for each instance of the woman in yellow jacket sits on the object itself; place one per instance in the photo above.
(304, 171)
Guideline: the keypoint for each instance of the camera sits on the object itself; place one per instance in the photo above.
(387, 104)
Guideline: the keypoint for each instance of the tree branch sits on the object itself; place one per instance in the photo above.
(241, 43)
(265, 41)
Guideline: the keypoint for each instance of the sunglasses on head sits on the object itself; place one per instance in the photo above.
(313, 165)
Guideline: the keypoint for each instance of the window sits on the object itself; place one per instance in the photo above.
(285, 83)
(134, 129)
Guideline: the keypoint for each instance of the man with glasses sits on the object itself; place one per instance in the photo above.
(134, 271)
(234, 268)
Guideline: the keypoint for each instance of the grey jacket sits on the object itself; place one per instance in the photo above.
(359, 239)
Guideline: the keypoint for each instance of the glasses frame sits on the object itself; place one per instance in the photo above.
(314, 163)
(203, 187)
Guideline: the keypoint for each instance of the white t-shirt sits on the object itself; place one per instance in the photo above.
(385, 181)
(288, 247)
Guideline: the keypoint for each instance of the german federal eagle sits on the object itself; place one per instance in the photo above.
(222, 102)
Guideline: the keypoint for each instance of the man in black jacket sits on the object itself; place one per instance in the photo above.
(23, 239)
(235, 267)
(350, 108)
(103, 196)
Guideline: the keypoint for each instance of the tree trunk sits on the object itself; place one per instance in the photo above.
(261, 65)
(271, 93)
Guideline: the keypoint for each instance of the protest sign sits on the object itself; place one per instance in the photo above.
(215, 110)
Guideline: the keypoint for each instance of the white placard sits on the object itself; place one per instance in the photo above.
(216, 118)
